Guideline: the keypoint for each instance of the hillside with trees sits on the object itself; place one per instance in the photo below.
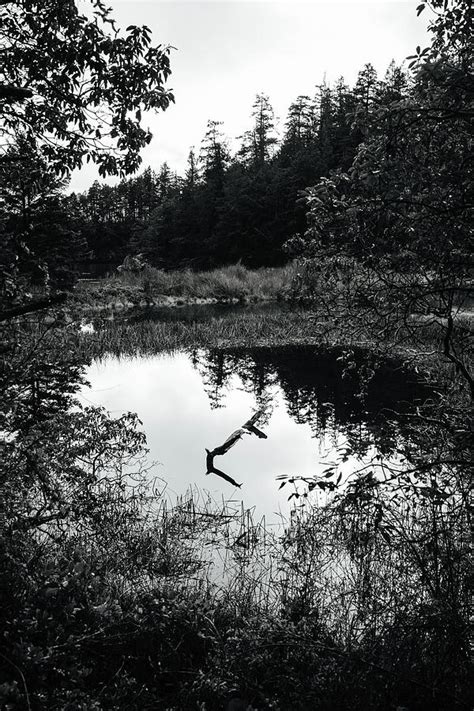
(240, 207)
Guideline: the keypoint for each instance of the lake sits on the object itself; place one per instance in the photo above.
(313, 417)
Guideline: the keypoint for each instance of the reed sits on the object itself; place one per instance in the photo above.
(155, 286)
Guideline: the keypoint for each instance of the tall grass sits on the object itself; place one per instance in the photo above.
(119, 337)
(286, 327)
(231, 283)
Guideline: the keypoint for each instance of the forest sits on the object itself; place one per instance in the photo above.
(243, 207)
(231, 208)
(313, 282)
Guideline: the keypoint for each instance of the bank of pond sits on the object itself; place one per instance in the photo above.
(291, 536)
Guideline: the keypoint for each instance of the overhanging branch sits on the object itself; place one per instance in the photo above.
(14, 93)
(32, 306)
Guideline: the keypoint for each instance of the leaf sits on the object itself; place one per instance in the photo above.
(420, 9)
(329, 471)
(281, 485)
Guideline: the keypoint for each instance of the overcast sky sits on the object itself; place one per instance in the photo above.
(227, 51)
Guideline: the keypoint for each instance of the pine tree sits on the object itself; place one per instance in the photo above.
(259, 143)
(192, 174)
(345, 142)
(299, 127)
(214, 156)
(365, 93)
(324, 118)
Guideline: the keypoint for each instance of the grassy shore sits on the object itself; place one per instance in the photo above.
(121, 337)
(125, 333)
(156, 287)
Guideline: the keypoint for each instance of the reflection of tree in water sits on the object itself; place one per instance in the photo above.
(331, 391)
(216, 371)
(217, 367)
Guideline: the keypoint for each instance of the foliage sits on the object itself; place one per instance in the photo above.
(396, 228)
(73, 90)
(78, 85)
(387, 253)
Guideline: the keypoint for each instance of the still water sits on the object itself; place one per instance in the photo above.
(313, 416)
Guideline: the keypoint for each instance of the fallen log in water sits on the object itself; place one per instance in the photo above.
(211, 469)
(247, 428)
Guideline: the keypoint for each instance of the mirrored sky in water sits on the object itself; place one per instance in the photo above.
(169, 396)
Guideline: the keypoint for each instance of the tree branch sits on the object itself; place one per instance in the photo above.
(14, 93)
(32, 306)
(450, 355)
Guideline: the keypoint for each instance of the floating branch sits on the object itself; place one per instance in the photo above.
(211, 469)
(247, 428)
(250, 424)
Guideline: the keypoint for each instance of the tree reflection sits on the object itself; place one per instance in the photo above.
(334, 391)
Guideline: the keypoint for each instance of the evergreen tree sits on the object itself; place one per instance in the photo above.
(33, 212)
(192, 174)
(214, 159)
(299, 127)
(394, 86)
(345, 142)
(259, 143)
(214, 156)
(365, 94)
(150, 193)
(324, 118)
(165, 183)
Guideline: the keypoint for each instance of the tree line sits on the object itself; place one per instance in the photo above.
(242, 206)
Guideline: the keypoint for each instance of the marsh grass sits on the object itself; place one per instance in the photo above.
(210, 544)
(148, 337)
(293, 619)
(122, 336)
(196, 601)
(155, 286)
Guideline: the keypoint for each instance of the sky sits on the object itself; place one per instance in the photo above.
(227, 51)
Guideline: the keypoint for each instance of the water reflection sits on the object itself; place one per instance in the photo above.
(311, 411)
(192, 313)
(331, 390)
